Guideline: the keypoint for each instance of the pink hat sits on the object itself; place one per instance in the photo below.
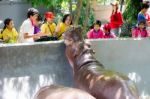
(107, 27)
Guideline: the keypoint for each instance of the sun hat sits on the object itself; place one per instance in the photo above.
(49, 15)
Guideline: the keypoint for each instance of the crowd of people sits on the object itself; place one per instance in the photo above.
(32, 30)
(113, 28)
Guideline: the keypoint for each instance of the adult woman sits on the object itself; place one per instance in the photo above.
(116, 19)
(9, 33)
(63, 26)
(27, 28)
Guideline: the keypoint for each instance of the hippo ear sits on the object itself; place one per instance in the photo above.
(88, 44)
(78, 31)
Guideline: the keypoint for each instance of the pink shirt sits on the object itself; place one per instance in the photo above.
(92, 34)
(139, 33)
(110, 35)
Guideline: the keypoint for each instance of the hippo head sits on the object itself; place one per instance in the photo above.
(73, 35)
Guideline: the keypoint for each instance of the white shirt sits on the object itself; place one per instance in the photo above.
(26, 27)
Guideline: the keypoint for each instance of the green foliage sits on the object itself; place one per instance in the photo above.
(47, 3)
(91, 17)
(56, 5)
(130, 17)
(132, 10)
(126, 29)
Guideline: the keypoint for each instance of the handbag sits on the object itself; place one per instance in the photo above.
(46, 38)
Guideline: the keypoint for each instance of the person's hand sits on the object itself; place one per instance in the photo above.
(36, 37)
(6, 39)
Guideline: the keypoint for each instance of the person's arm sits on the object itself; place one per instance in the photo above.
(133, 32)
(146, 33)
(89, 34)
(57, 30)
(6, 38)
(26, 35)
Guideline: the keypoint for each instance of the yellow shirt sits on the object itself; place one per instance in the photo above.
(48, 28)
(1, 35)
(10, 36)
(62, 28)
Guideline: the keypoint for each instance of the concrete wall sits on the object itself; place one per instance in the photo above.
(25, 68)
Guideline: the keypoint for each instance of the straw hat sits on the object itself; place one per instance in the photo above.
(115, 3)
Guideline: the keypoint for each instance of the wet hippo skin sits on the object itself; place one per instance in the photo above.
(61, 92)
(90, 75)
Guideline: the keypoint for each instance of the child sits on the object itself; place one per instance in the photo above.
(140, 31)
(9, 33)
(49, 26)
(107, 33)
(96, 32)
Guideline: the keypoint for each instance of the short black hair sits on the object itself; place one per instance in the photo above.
(145, 6)
(32, 12)
(141, 22)
(98, 22)
(65, 17)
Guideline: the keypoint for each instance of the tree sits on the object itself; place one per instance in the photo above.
(50, 4)
(132, 10)
(78, 11)
(86, 16)
(130, 16)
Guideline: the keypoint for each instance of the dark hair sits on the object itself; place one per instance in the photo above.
(39, 18)
(142, 22)
(65, 17)
(6, 22)
(98, 22)
(32, 12)
(144, 6)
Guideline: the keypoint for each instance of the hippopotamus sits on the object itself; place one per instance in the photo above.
(61, 92)
(91, 75)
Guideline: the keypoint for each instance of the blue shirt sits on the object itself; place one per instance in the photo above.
(141, 17)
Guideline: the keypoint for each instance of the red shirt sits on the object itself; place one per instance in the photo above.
(116, 20)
